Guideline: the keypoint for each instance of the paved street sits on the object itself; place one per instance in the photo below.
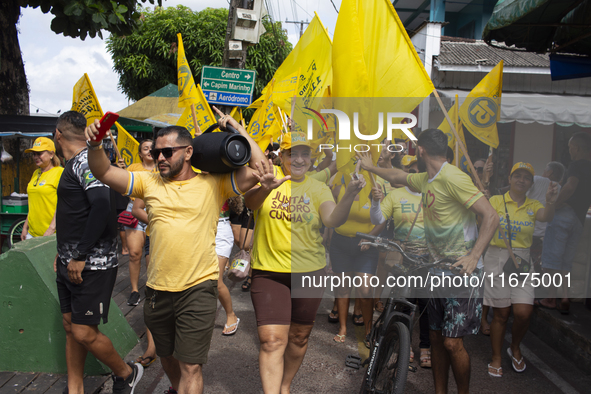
(233, 364)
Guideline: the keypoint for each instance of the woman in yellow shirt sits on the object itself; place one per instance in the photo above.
(288, 258)
(518, 215)
(42, 190)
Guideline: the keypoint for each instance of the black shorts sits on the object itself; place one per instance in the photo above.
(278, 298)
(242, 219)
(346, 255)
(89, 301)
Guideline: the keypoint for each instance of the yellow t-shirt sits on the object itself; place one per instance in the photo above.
(359, 219)
(523, 221)
(42, 191)
(322, 176)
(287, 237)
(139, 167)
(183, 218)
(385, 185)
(450, 227)
(402, 205)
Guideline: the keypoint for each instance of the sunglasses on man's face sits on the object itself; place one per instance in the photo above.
(166, 152)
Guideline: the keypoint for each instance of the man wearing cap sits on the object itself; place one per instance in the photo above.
(42, 190)
(518, 217)
(183, 210)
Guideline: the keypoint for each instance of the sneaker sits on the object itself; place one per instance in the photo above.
(170, 391)
(134, 298)
(127, 386)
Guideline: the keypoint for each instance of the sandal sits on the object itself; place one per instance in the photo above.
(366, 342)
(333, 319)
(145, 361)
(339, 338)
(425, 358)
(233, 330)
(357, 317)
(246, 284)
(515, 362)
(495, 372)
(411, 359)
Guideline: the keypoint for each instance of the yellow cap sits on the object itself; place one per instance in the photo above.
(408, 160)
(293, 138)
(522, 166)
(42, 144)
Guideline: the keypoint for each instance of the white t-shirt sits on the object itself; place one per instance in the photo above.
(538, 192)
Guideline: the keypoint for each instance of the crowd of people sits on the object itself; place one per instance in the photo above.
(296, 216)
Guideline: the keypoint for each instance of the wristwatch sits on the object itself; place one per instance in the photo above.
(77, 256)
(94, 147)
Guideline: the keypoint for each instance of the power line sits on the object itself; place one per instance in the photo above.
(335, 7)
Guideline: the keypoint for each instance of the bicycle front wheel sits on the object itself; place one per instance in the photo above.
(14, 234)
(392, 360)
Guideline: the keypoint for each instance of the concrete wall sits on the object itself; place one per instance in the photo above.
(533, 144)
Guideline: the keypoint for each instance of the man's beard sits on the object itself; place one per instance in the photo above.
(421, 162)
(175, 168)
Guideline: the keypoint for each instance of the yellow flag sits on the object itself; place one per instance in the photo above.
(311, 59)
(284, 91)
(187, 90)
(451, 139)
(84, 100)
(264, 125)
(481, 110)
(127, 145)
(203, 114)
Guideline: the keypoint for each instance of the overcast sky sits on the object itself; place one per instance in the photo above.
(55, 63)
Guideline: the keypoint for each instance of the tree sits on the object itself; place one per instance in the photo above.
(74, 18)
(146, 59)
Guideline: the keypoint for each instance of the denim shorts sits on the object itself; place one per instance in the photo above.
(346, 255)
(562, 236)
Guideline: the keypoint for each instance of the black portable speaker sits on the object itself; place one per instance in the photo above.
(220, 152)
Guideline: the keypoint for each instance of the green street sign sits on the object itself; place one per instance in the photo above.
(227, 86)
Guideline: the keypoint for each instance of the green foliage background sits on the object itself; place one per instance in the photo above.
(146, 60)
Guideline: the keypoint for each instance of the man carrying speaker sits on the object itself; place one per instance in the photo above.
(183, 209)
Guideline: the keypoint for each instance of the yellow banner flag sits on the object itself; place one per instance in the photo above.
(236, 113)
(84, 100)
(264, 125)
(203, 114)
(187, 90)
(311, 59)
(127, 145)
(481, 110)
(284, 92)
(451, 139)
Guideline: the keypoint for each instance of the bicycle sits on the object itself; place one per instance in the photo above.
(389, 355)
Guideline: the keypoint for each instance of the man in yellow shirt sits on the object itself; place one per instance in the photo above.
(183, 209)
(450, 203)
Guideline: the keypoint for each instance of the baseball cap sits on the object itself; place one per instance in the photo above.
(293, 138)
(522, 166)
(42, 144)
(408, 160)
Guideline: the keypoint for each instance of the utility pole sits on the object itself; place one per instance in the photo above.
(301, 23)
(235, 56)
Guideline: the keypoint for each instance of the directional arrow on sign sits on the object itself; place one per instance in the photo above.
(247, 76)
(206, 84)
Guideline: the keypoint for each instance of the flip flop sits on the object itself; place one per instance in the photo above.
(356, 322)
(339, 338)
(333, 319)
(145, 361)
(495, 372)
(514, 361)
(233, 331)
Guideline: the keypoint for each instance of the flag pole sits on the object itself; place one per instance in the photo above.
(460, 143)
(458, 123)
(242, 119)
(282, 120)
(293, 103)
(197, 129)
(115, 145)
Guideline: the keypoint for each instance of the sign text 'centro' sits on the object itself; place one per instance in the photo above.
(344, 129)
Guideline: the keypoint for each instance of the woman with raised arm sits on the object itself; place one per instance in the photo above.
(288, 258)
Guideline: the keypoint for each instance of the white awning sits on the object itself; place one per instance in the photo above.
(542, 108)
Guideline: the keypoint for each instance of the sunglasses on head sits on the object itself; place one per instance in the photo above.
(166, 152)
